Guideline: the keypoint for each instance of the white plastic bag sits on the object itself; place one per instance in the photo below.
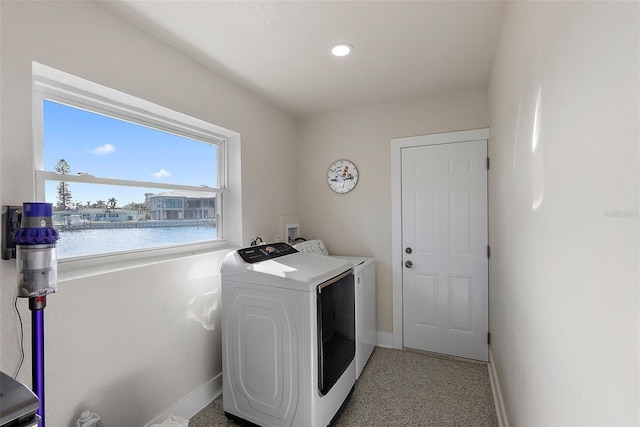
(173, 421)
(89, 419)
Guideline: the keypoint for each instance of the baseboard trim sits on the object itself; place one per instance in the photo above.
(384, 339)
(194, 402)
(497, 393)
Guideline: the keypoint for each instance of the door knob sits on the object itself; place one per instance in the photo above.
(408, 250)
(408, 264)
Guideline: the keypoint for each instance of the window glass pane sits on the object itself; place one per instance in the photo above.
(97, 241)
(145, 218)
(111, 148)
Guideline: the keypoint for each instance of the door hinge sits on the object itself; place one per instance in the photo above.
(488, 338)
(488, 164)
(488, 251)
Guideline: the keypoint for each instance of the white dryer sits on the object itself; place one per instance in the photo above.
(288, 336)
(364, 273)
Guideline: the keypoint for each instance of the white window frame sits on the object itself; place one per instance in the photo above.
(58, 86)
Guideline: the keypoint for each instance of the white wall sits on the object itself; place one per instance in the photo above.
(359, 222)
(122, 343)
(564, 229)
(564, 276)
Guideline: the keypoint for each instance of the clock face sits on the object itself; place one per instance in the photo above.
(342, 176)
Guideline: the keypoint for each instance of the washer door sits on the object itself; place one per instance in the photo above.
(336, 329)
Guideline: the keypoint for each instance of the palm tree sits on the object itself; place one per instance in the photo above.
(111, 204)
(64, 194)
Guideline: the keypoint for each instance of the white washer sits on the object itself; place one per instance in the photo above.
(281, 364)
(364, 272)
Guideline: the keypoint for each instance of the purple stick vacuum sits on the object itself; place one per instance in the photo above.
(37, 265)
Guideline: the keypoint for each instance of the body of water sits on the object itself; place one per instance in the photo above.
(75, 243)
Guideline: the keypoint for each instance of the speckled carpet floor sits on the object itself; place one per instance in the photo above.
(406, 388)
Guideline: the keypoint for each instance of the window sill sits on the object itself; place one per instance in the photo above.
(81, 267)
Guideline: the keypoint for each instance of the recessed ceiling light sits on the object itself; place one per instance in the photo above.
(342, 49)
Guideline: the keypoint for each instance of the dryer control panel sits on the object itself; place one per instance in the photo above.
(255, 254)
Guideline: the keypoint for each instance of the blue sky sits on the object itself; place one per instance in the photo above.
(109, 148)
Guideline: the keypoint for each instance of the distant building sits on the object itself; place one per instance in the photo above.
(81, 216)
(183, 204)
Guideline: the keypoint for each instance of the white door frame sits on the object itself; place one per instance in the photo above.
(397, 144)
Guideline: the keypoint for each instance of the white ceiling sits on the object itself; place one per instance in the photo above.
(280, 49)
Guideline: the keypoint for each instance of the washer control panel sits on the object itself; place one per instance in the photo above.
(255, 254)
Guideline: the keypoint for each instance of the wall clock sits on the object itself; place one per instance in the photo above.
(342, 176)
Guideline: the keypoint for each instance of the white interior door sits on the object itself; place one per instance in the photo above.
(444, 238)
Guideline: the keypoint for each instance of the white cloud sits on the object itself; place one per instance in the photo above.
(103, 149)
(161, 174)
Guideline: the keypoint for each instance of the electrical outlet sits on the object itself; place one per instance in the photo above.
(11, 216)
